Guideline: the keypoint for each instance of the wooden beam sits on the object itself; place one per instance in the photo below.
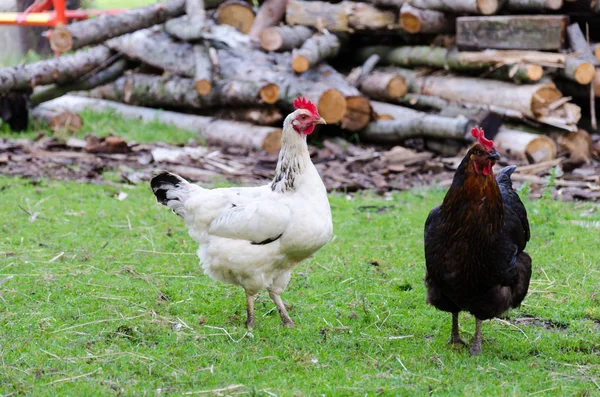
(517, 32)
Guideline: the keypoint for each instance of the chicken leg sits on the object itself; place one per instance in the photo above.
(476, 343)
(455, 339)
(285, 318)
(249, 310)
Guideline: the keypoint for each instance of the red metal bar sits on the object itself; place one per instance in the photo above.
(60, 8)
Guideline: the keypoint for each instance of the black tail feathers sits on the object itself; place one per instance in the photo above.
(162, 182)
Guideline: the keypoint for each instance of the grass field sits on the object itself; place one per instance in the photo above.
(108, 299)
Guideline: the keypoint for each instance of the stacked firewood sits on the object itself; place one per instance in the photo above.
(387, 71)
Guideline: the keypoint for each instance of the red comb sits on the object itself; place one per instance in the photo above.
(303, 103)
(480, 136)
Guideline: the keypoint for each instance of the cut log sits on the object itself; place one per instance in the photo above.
(578, 91)
(525, 146)
(346, 16)
(236, 13)
(176, 92)
(214, 131)
(533, 5)
(271, 12)
(417, 20)
(383, 86)
(483, 7)
(57, 70)
(409, 123)
(186, 29)
(111, 73)
(284, 38)
(518, 32)
(59, 120)
(254, 115)
(314, 50)
(579, 44)
(258, 66)
(519, 73)
(531, 100)
(157, 49)
(358, 108)
(578, 70)
(578, 144)
(203, 67)
(96, 30)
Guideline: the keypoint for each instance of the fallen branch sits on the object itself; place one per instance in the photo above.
(56, 70)
(111, 73)
(96, 30)
(214, 131)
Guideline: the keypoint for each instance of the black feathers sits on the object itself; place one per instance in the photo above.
(267, 241)
(162, 183)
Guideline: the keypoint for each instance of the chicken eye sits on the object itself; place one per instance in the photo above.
(303, 117)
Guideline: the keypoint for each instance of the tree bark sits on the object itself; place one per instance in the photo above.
(525, 146)
(579, 44)
(383, 86)
(59, 120)
(314, 50)
(449, 59)
(271, 12)
(187, 29)
(346, 16)
(596, 49)
(111, 73)
(203, 70)
(56, 70)
(97, 30)
(236, 13)
(216, 132)
(177, 92)
(409, 123)
(534, 5)
(284, 38)
(157, 49)
(531, 100)
(417, 20)
(520, 73)
(254, 115)
(519, 32)
(387, 3)
(483, 7)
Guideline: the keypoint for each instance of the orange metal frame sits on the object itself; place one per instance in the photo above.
(38, 14)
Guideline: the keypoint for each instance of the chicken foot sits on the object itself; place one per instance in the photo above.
(285, 318)
(249, 310)
(477, 338)
(455, 339)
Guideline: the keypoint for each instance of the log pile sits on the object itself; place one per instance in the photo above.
(389, 72)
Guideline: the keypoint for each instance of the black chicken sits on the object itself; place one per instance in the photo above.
(474, 243)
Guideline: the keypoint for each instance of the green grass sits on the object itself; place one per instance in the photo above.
(104, 124)
(108, 299)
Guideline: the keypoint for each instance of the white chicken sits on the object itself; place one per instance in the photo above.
(255, 236)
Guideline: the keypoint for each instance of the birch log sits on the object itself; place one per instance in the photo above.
(284, 38)
(96, 30)
(314, 50)
(417, 20)
(216, 132)
(483, 7)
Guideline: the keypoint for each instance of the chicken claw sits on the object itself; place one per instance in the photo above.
(285, 317)
(476, 343)
(455, 339)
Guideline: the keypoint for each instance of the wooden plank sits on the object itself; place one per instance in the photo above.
(516, 32)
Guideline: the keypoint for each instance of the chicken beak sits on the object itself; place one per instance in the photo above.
(494, 155)
(321, 120)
